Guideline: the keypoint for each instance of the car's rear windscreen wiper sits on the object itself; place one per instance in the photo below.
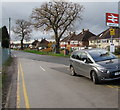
(104, 54)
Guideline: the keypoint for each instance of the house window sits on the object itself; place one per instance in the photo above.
(98, 41)
(111, 41)
(95, 41)
(91, 41)
(117, 40)
(71, 42)
(104, 41)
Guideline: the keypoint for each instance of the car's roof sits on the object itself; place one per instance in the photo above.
(88, 50)
(93, 49)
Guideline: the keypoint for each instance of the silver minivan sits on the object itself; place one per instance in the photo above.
(96, 64)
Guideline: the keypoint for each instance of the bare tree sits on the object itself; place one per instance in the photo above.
(58, 17)
(23, 30)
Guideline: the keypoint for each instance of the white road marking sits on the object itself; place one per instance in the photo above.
(66, 66)
(42, 68)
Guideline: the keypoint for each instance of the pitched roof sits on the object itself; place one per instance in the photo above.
(43, 41)
(93, 38)
(83, 36)
(35, 42)
(69, 37)
(106, 34)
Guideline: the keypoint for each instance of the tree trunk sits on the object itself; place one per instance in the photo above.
(22, 44)
(57, 46)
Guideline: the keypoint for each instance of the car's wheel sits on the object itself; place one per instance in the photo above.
(94, 77)
(72, 71)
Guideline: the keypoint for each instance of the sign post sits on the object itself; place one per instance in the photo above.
(112, 20)
(112, 33)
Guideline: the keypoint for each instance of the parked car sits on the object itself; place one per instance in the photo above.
(97, 64)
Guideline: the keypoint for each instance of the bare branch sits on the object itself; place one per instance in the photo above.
(57, 16)
(22, 30)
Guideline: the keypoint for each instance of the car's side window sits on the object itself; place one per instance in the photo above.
(78, 56)
(83, 56)
(74, 55)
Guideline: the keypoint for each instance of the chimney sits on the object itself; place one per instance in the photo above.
(87, 29)
(70, 33)
(82, 31)
(73, 33)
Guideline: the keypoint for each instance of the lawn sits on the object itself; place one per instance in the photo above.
(46, 53)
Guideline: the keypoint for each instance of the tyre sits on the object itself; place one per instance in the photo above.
(72, 71)
(94, 77)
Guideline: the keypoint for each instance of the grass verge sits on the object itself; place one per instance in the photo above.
(46, 53)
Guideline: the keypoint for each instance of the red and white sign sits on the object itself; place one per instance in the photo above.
(112, 19)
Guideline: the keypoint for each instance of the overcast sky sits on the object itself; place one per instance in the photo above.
(93, 15)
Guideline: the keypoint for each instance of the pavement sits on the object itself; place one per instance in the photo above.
(45, 82)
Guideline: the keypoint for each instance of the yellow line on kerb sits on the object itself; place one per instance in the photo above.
(117, 87)
(18, 88)
(110, 86)
(24, 89)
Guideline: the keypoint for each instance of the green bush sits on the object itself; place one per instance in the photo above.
(5, 37)
(117, 51)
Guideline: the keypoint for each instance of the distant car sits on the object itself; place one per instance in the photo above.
(97, 64)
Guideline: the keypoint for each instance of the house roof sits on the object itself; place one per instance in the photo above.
(106, 34)
(84, 35)
(93, 38)
(44, 41)
(35, 42)
(69, 37)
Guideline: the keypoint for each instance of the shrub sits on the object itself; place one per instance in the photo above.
(117, 51)
(46, 50)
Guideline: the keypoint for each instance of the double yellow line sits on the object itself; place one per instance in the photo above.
(21, 73)
(112, 86)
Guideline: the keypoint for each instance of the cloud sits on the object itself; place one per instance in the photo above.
(93, 15)
(60, 0)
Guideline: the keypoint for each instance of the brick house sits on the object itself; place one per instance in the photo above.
(103, 40)
(43, 44)
(79, 41)
(35, 44)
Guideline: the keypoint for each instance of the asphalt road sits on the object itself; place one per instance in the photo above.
(45, 82)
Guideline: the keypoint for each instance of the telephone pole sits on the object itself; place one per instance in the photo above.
(9, 25)
(9, 32)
